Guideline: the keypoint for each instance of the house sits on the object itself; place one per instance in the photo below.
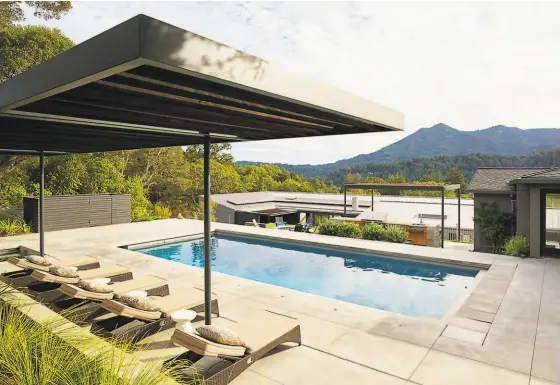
(532, 195)
(296, 207)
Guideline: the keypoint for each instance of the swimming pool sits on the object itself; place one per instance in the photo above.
(397, 285)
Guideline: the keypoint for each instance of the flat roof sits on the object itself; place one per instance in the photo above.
(399, 208)
(404, 186)
(146, 83)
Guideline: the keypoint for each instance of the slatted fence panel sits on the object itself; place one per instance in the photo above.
(76, 211)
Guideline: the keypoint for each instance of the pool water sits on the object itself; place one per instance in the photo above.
(396, 285)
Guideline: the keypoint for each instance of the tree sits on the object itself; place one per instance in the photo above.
(11, 11)
(397, 178)
(454, 176)
(432, 176)
(22, 47)
(353, 178)
(218, 151)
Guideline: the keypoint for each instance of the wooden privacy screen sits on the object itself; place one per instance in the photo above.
(76, 211)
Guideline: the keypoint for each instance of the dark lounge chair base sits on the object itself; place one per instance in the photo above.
(222, 370)
(84, 310)
(17, 279)
(132, 330)
(47, 292)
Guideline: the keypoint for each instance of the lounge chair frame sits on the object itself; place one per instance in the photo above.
(83, 310)
(47, 292)
(238, 364)
(133, 330)
(23, 278)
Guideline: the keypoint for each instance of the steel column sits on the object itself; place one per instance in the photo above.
(42, 204)
(442, 217)
(344, 200)
(207, 240)
(459, 215)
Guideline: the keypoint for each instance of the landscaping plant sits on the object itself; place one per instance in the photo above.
(373, 231)
(517, 246)
(9, 227)
(494, 224)
(396, 234)
(32, 354)
(340, 229)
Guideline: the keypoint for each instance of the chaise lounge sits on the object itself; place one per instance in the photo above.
(23, 277)
(126, 323)
(47, 285)
(85, 304)
(218, 364)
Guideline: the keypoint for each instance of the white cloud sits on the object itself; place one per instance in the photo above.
(470, 65)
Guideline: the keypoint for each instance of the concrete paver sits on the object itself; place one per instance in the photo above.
(349, 343)
(465, 335)
(444, 369)
(377, 352)
(546, 363)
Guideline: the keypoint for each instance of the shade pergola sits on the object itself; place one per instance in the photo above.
(145, 83)
(398, 187)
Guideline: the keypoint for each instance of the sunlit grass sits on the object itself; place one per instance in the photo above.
(33, 354)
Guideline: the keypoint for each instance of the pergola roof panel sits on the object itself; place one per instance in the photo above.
(148, 76)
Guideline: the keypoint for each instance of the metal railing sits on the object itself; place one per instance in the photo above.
(450, 234)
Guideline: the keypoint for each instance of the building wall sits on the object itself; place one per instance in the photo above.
(224, 214)
(534, 221)
(523, 210)
(241, 217)
(504, 205)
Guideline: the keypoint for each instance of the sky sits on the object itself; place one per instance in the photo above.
(468, 65)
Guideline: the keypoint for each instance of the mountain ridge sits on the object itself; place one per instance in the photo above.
(443, 140)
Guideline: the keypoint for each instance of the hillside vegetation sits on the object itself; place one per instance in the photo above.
(442, 140)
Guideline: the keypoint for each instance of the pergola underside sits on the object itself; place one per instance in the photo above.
(145, 83)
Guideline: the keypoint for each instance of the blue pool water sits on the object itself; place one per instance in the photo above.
(397, 285)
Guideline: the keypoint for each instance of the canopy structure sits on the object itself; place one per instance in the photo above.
(398, 187)
(145, 83)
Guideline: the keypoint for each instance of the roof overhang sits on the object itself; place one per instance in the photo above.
(533, 180)
(145, 83)
(492, 192)
(404, 186)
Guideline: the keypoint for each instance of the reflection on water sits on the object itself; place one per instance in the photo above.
(398, 285)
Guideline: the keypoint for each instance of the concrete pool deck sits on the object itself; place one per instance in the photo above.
(506, 332)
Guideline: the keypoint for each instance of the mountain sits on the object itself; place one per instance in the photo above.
(441, 140)
(414, 169)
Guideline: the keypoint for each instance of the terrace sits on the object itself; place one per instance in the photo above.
(505, 331)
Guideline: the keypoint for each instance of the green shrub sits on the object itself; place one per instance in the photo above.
(162, 211)
(518, 246)
(373, 231)
(10, 227)
(396, 234)
(340, 229)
